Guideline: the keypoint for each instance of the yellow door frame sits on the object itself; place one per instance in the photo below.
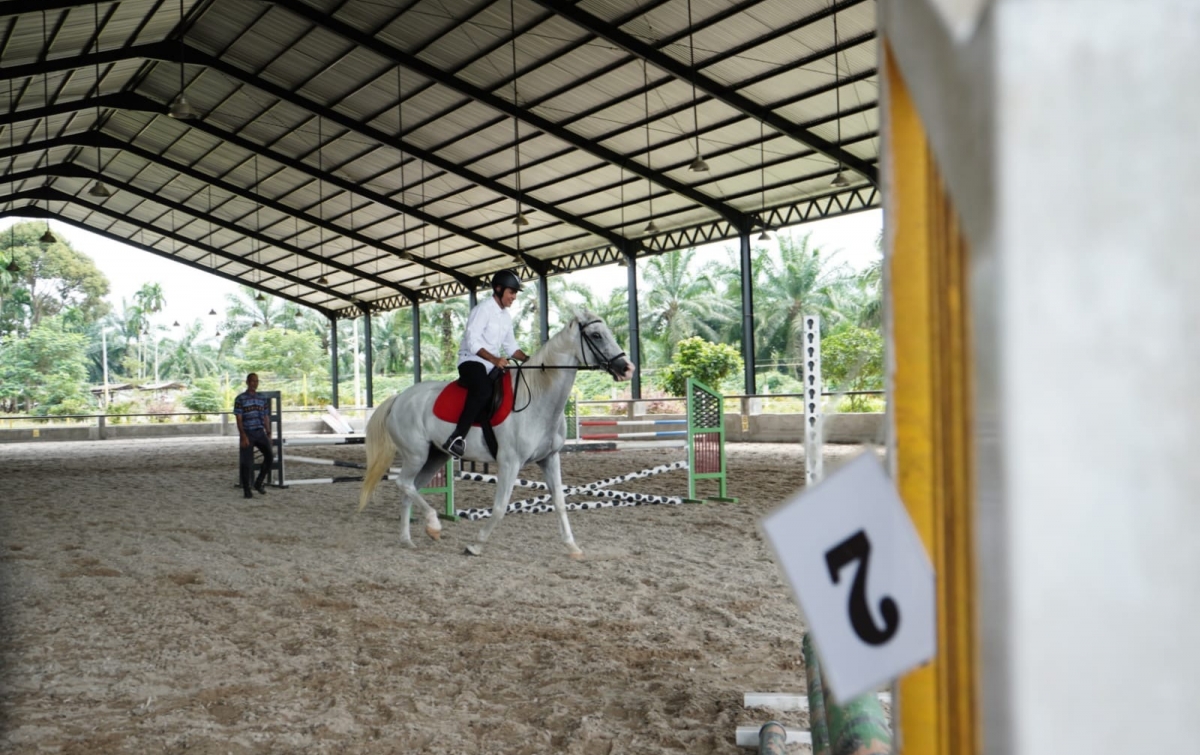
(938, 712)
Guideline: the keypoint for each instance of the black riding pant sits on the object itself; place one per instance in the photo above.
(259, 440)
(475, 378)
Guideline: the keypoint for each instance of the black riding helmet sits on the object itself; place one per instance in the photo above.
(506, 279)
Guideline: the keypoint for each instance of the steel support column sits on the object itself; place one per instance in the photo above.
(746, 257)
(635, 333)
(543, 308)
(368, 353)
(416, 340)
(333, 363)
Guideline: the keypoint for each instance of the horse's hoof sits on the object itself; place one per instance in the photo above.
(434, 534)
(472, 550)
(575, 553)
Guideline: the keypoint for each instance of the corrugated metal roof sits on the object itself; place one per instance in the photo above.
(397, 198)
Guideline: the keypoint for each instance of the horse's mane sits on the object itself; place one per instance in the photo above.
(564, 342)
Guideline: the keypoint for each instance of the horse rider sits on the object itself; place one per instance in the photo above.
(254, 431)
(489, 333)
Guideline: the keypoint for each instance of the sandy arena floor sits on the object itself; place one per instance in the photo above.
(146, 607)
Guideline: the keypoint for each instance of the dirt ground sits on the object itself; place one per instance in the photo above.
(146, 607)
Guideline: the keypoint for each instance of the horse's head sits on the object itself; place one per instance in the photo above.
(599, 348)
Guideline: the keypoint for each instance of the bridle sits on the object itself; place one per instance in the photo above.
(599, 362)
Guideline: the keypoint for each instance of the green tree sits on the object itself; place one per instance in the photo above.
(44, 370)
(286, 354)
(852, 360)
(710, 363)
(51, 279)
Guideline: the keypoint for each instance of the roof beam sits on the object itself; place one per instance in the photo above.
(51, 195)
(580, 142)
(76, 171)
(169, 52)
(718, 91)
(136, 102)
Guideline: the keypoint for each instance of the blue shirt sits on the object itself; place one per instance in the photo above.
(253, 410)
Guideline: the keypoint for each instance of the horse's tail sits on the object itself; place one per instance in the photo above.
(380, 451)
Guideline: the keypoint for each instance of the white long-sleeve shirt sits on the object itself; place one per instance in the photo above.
(490, 327)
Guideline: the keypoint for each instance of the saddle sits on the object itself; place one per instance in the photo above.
(449, 404)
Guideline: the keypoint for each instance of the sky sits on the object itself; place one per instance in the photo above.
(191, 293)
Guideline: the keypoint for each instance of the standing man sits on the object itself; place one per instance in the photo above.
(254, 430)
(489, 334)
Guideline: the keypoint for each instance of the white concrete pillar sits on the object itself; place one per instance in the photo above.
(1068, 133)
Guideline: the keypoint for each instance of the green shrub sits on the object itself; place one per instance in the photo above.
(866, 404)
(204, 397)
(696, 358)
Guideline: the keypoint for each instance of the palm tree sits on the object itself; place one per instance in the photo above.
(677, 304)
(802, 280)
(187, 357)
(245, 310)
(149, 298)
(442, 325)
(391, 338)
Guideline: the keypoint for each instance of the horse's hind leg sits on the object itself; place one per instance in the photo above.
(552, 474)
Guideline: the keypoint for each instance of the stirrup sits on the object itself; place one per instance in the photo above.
(456, 446)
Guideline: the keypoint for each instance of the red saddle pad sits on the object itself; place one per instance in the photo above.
(450, 402)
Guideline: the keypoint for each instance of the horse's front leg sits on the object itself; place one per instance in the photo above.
(506, 477)
(552, 474)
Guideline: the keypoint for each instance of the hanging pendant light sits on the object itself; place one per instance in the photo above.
(322, 280)
(212, 311)
(650, 227)
(181, 109)
(47, 237)
(519, 220)
(839, 181)
(12, 265)
(697, 165)
(98, 189)
(762, 182)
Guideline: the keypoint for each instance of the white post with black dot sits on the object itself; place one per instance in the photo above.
(860, 573)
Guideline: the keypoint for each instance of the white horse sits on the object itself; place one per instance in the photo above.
(534, 431)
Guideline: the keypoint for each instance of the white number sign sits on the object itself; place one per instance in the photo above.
(860, 574)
